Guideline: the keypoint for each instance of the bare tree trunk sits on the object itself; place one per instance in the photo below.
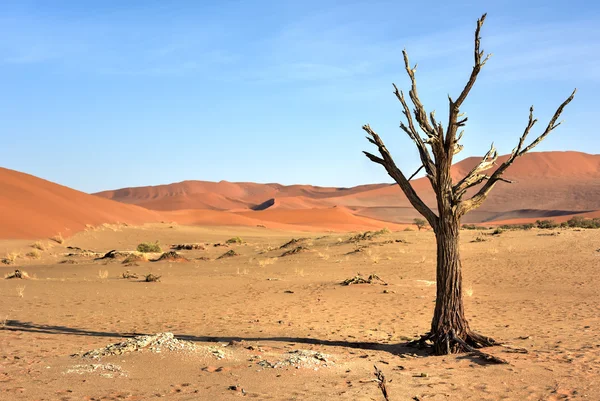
(449, 317)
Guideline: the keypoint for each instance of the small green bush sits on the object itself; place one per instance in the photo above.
(149, 247)
(473, 227)
(234, 240)
(546, 224)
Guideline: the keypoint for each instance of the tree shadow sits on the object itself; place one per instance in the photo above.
(395, 349)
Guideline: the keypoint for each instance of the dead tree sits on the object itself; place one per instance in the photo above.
(450, 331)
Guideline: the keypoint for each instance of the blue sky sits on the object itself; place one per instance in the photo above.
(106, 94)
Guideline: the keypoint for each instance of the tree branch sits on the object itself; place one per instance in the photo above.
(415, 173)
(412, 132)
(453, 124)
(386, 161)
(420, 113)
(477, 199)
(474, 177)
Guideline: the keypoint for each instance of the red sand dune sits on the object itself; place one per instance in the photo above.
(31, 207)
(547, 185)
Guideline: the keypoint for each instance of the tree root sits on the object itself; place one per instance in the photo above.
(474, 337)
(452, 344)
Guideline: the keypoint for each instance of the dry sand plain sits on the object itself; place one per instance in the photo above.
(283, 328)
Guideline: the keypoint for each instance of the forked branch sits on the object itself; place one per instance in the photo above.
(477, 199)
(386, 161)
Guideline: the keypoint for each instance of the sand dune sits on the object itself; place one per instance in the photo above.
(31, 207)
(545, 184)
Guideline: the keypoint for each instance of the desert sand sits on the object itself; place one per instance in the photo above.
(244, 320)
(273, 327)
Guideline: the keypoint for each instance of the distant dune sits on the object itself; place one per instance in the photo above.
(546, 184)
(31, 207)
(553, 185)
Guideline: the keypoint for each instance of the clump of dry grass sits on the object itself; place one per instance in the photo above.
(267, 262)
(103, 274)
(38, 245)
(21, 291)
(35, 254)
(469, 291)
(234, 240)
(479, 238)
(323, 256)
(10, 258)
(58, 238)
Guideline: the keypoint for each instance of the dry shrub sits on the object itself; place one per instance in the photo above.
(38, 245)
(103, 274)
(127, 274)
(171, 256)
(151, 278)
(58, 238)
(359, 279)
(21, 291)
(149, 247)
(18, 274)
(188, 247)
(230, 253)
(234, 240)
(35, 254)
(294, 251)
(135, 257)
(267, 262)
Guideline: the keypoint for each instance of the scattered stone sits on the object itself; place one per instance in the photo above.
(108, 370)
(154, 343)
(288, 292)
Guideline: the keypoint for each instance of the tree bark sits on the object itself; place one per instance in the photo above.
(449, 317)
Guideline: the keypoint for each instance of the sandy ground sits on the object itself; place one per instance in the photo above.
(248, 313)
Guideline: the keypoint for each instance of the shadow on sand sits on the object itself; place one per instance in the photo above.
(395, 349)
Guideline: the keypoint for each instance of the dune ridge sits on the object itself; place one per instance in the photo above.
(546, 185)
